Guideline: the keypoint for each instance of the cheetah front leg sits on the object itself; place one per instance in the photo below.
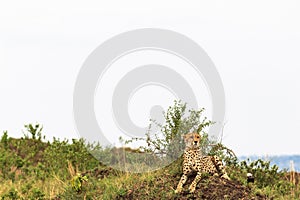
(194, 183)
(181, 183)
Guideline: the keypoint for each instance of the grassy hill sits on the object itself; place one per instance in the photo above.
(33, 169)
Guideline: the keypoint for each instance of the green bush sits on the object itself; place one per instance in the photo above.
(12, 194)
(168, 143)
(77, 181)
(37, 194)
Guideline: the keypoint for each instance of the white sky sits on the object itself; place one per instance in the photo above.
(255, 46)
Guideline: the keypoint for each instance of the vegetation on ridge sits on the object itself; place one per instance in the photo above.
(32, 168)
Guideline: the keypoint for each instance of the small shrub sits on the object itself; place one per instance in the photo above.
(34, 130)
(4, 139)
(168, 143)
(77, 181)
(37, 194)
(262, 171)
(12, 194)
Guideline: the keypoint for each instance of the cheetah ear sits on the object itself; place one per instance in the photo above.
(184, 136)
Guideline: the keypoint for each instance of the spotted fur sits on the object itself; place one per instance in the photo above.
(193, 160)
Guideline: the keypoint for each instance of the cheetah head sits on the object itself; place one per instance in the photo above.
(192, 140)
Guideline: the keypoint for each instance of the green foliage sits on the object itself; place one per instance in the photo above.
(226, 154)
(34, 130)
(267, 177)
(4, 140)
(76, 152)
(168, 142)
(264, 173)
(77, 181)
(26, 187)
(121, 192)
(12, 194)
(37, 194)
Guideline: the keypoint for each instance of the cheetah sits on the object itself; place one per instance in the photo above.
(193, 160)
